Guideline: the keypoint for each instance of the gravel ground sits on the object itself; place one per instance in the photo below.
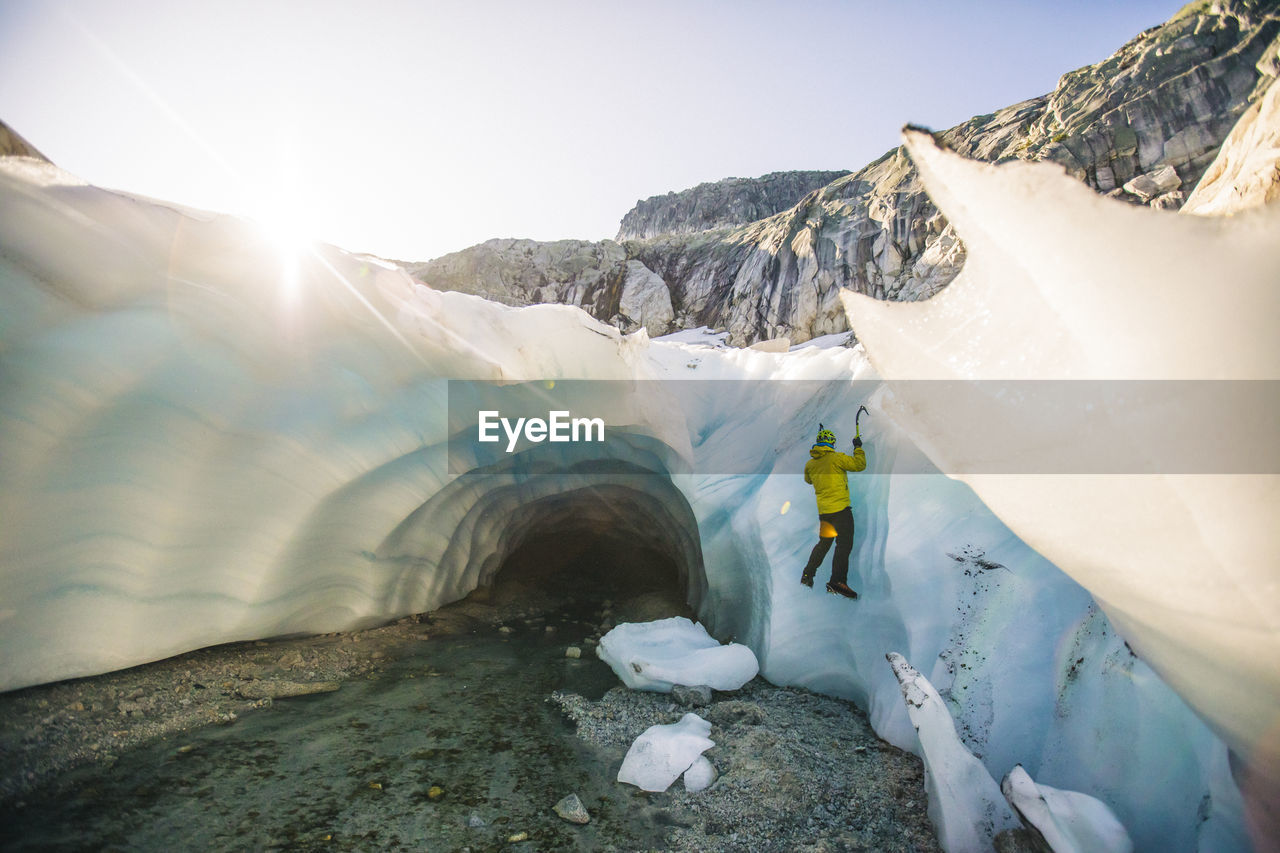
(796, 770)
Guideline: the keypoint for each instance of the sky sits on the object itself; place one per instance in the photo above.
(413, 129)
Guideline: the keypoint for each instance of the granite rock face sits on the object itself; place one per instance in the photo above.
(1142, 126)
(1247, 171)
(13, 145)
(722, 204)
(523, 272)
(1155, 112)
(597, 277)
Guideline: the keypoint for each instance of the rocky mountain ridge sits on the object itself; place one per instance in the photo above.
(722, 204)
(1143, 125)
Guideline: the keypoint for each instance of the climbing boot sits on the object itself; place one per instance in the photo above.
(807, 580)
(838, 588)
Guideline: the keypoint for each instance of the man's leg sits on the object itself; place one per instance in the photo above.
(816, 556)
(843, 523)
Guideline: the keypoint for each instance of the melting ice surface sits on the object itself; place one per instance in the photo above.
(196, 449)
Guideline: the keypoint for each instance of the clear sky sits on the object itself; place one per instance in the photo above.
(411, 129)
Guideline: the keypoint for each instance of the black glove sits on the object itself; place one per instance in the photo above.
(857, 443)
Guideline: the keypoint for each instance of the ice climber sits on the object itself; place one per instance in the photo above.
(827, 473)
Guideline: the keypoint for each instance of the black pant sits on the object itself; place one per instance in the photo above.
(842, 521)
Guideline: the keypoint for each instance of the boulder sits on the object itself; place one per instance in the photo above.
(1169, 201)
(691, 697)
(646, 300)
(1149, 186)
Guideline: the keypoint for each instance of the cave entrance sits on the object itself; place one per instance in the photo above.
(602, 554)
(581, 574)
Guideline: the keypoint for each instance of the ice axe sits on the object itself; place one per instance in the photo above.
(857, 430)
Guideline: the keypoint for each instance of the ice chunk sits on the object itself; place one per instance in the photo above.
(699, 775)
(965, 804)
(658, 655)
(662, 753)
(1070, 822)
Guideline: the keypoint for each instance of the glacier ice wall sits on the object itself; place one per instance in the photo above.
(206, 438)
(1198, 595)
(1063, 284)
(964, 801)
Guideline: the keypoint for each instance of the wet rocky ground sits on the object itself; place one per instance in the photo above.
(455, 730)
(796, 771)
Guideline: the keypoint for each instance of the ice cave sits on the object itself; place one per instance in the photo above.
(206, 440)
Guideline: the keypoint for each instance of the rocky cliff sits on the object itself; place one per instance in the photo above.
(1247, 171)
(597, 277)
(13, 145)
(1142, 126)
(722, 204)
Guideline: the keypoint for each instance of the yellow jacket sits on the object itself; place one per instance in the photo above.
(826, 472)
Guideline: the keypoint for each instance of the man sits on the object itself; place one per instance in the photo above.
(827, 473)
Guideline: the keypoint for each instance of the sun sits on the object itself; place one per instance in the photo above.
(284, 228)
(283, 219)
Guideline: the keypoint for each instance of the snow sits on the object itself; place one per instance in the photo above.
(197, 449)
(703, 336)
(839, 339)
(662, 753)
(1070, 822)
(658, 655)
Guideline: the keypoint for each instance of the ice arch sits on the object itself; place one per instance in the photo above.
(460, 537)
(203, 440)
